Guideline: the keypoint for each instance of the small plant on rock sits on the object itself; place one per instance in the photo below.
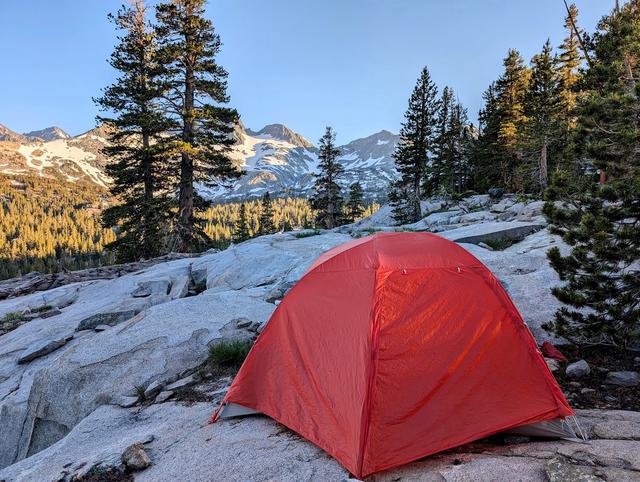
(229, 353)
(13, 316)
(500, 244)
(140, 392)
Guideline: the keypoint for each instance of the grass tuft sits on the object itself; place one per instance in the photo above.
(229, 353)
(13, 316)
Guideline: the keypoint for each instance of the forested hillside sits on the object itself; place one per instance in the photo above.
(49, 225)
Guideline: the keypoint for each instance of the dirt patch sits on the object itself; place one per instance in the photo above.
(591, 391)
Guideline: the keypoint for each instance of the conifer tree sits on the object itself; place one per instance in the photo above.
(267, 225)
(457, 149)
(600, 222)
(401, 210)
(487, 150)
(355, 203)
(327, 197)
(241, 231)
(195, 94)
(510, 91)
(438, 171)
(412, 154)
(138, 154)
(569, 62)
(543, 111)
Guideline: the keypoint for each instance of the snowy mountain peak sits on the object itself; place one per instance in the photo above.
(282, 133)
(49, 134)
(275, 159)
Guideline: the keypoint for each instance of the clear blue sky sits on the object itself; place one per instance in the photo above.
(346, 63)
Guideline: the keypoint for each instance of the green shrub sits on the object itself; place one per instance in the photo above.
(13, 316)
(500, 244)
(229, 353)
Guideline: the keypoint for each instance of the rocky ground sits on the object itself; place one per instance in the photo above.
(99, 379)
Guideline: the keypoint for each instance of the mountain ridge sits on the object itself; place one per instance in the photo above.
(274, 158)
(48, 134)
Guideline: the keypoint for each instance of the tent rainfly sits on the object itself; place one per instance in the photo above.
(394, 347)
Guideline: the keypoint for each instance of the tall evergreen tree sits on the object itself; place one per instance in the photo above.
(267, 225)
(438, 171)
(487, 150)
(543, 110)
(457, 149)
(601, 222)
(355, 203)
(195, 92)
(401, 211)
(569, 63)
(412, 154)
(570, 60)
(510, 91)
(327, 198)
(138, 153)
(241, 230)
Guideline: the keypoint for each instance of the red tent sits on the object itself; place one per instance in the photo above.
(394, 347)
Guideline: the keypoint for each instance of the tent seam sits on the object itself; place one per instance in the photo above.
(524, 332)
(372, 372)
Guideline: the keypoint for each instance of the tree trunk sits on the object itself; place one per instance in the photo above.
(186, 196)
(330, 219)
(544, 177)
(147, 167)
(415, 201)
(603, 177)
(329, 222)
(147, 217)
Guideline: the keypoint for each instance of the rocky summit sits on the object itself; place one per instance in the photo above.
(100, 376)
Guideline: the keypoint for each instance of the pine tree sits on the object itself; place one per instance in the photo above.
(241, 231)
(570, 61)
(355, 203)
(267, 225)
(195, 91)
(327, 197)
(438, 171)
(488, 151)
(454, 150)
(412, 154)
(511, 88)
(139, 156)
(600, 222)
(401, 211)
(543, 111)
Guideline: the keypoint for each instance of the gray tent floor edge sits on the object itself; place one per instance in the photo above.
(559, 428)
